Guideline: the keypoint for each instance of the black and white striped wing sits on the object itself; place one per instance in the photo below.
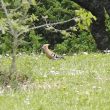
(55, 56)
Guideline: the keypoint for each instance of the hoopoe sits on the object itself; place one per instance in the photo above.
(50, 54)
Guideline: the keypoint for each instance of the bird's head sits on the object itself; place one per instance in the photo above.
(45, 46)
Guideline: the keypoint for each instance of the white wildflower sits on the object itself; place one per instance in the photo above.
(0, 56)
(74, 72)
(87, 93)
(41, 53)
(77, 91)
(75, 54)
(24, 87)
(95, 55)
(47, 86)
(27, 101)
(107, 51)
(99, 88)
(45, 76)
(20, 54)
(85, 53)
(94, 87)
(10, 57)
(64, 54)
(1, 91)
(52, 68)
(8, 86)
(7, 55)
(99, 78)
(54, 72)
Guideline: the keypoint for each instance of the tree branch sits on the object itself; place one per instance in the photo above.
(47, 25)
(8, 19)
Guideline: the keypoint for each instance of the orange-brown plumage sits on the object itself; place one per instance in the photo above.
(49, 53)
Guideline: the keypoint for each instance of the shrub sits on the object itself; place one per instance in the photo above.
(32, 43)
(5, 44)
(77, 43)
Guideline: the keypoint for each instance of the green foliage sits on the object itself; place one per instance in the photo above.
(5, 44)
(55, 10)
(3, 25)
(32, 43)
(77, 43)
(18, 18)
(36, 42)
(84, 19)
(33, 13)
(107, 22)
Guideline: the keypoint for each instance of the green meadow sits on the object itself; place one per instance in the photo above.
(80, 82)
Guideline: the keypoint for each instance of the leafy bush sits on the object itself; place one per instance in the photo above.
(107, 22)
(36, 42)
(5, 44)
(83, 41)
(32, 43)
(29, 43)
(77, 43)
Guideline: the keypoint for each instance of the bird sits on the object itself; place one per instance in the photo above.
(50, 54)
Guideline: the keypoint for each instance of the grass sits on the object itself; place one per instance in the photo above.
(80, 82)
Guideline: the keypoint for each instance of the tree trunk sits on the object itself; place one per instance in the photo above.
(14, 42)
(13, 68)
(98, 29)
(100, 35)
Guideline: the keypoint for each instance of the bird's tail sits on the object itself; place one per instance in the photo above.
(61, 57)
(55, 56)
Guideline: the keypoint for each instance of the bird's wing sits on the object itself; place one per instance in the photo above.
(55, 56)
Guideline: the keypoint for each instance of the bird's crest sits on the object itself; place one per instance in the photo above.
(45, 46)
